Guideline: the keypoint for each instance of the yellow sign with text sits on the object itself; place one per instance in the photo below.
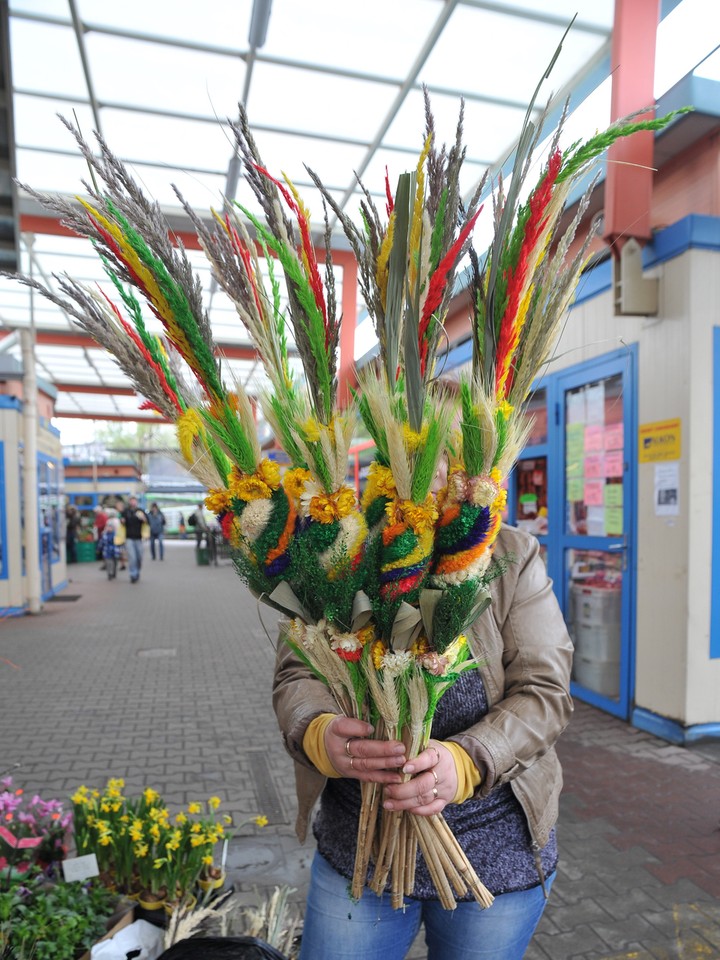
(659, 441)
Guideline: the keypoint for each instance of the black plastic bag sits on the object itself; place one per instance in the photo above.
(222, 948)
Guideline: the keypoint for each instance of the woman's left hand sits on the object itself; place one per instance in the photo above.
(432, 786)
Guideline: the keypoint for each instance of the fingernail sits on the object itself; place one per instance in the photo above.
(408, 768)
(387, 805)
(399, 748)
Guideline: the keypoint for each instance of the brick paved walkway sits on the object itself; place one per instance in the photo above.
(167, 683)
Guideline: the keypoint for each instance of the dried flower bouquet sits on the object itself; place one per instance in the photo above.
(380, 594)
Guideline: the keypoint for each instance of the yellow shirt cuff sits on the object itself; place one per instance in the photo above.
(314, 745)
(469, 777)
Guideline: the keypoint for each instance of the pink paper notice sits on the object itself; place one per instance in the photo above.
(594, 436)
(614, 463)
(594, 496)
(614, 436)
(594, 466)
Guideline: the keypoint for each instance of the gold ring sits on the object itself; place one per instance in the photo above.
(351, 761)
(347, 747)
(432, 771)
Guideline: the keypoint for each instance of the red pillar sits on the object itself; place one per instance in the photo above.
(629, 183)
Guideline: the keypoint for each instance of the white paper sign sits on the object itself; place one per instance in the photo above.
(667, 489)
(80, 868)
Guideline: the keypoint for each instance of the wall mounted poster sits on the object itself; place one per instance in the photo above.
(661, 440)
(667, 489)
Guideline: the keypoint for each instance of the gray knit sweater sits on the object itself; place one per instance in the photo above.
(492, 830)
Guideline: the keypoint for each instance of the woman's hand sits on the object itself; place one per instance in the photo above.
(431, 788)
(353, 754)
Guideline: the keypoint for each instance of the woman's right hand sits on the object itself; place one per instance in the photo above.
(354, 754)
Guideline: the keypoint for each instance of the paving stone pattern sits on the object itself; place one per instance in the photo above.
(167, 683)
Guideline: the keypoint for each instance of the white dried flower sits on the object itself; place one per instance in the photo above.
(397, 663)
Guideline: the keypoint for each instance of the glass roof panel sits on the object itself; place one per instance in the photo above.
(37, 122)
(163, 77)
(50, 45)
(336, 107)
(500, 42)
(488, 128)
(222, 21)
(681, 44)
(55, 8)
(60, 175)
(168, 140)
(599, 12)
(377, 37)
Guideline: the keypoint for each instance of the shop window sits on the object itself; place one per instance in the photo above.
(594, 458)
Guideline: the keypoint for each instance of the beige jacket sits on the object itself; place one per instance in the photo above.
(525, 653)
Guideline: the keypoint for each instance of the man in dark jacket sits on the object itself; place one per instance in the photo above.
(157, 525)
(134, 518)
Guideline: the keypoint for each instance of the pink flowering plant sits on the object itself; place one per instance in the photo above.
(32, 830)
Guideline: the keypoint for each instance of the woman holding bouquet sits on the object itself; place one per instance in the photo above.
(491, 768)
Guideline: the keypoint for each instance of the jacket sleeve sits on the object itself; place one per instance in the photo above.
(298, 697)
(525, 656)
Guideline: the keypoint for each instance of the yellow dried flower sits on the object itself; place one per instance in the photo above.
(378, 651)
(217, 500)
(381, 483)
(326, 508)
(294, 482)
(269, 472)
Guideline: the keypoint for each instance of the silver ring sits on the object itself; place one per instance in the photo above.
(347, 747)
(432, 771)
(351, 761)
(435, 793)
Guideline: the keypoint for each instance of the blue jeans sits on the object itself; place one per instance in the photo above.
(135, 555)
(156, 537)
(337, 928)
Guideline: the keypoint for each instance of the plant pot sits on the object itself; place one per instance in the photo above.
(171, 905)
(211, 883)
(152, 901)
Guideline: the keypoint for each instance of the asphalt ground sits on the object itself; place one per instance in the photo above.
(167, 683)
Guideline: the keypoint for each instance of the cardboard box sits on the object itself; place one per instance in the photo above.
(124, 915)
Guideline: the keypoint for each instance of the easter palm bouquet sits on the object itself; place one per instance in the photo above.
(379, 594)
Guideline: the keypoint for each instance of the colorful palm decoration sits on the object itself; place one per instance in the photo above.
(380, 595)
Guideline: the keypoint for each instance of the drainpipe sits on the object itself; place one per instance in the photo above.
(30, 474)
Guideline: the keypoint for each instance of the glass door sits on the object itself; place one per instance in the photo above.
(595, 419)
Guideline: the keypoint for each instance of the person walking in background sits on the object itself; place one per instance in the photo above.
(109, 547)
(72, 522)
(101, 518)
(199, 523)
(134, 518)
(156, 518)
(182, 529)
